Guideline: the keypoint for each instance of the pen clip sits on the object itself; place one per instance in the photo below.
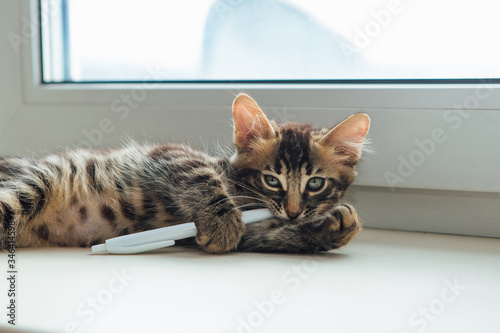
(139, 248)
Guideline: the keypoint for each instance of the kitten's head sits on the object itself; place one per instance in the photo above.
(295, 170)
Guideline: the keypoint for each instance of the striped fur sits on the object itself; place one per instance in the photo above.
(82, 197)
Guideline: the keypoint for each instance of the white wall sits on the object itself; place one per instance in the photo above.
(10, 78)
(463, 156)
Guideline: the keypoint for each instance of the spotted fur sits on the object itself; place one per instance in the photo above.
(82, 197)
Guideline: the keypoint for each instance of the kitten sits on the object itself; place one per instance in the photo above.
(83, 197)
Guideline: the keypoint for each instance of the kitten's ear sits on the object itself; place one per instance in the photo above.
(347, 137)
(250, 123)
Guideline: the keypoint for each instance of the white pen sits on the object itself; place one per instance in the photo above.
(163, 237)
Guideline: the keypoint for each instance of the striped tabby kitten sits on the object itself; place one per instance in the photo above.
(82, 197)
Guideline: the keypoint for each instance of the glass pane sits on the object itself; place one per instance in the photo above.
(132, 40)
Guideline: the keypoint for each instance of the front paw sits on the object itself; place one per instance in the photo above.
(345, 224)
(220, 234)
(338, 229)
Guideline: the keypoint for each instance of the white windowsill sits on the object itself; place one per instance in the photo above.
(382, 282)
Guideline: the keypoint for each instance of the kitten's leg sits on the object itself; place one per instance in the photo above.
(9, 218)
(217, 219)
(324, 234)
(24, 192)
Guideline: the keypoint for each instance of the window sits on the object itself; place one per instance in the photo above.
(262, 40)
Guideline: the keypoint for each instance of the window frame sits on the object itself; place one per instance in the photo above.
(385, 94)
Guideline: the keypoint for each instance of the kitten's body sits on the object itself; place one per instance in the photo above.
(82, 197)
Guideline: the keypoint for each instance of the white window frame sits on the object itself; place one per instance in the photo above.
(373, 98)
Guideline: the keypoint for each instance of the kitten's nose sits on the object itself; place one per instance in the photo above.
(293, 214)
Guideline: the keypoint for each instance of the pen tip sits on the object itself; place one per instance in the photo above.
(101, 248)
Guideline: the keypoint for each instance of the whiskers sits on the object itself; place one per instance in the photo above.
(234, 197)
(247, 188)
(254, 205)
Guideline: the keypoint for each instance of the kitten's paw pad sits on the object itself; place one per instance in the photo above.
(220, 235)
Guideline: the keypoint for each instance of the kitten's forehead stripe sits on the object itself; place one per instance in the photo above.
(277, 166)
(309, 168)
(294, 147)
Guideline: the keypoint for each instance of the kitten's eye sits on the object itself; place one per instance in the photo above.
(315, 184)
(272, 181)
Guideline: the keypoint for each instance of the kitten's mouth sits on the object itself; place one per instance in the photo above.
(286, 219)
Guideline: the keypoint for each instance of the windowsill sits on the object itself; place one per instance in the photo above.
(382, 282)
